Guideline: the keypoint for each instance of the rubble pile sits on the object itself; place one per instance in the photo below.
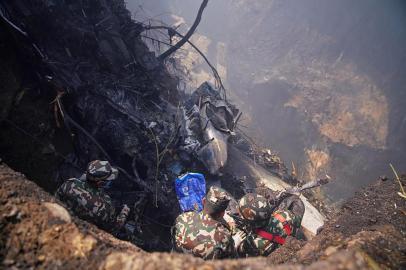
(104, 95)
(110, 94)
(270, 160)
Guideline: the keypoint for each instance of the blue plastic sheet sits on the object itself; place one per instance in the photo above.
(191, 189)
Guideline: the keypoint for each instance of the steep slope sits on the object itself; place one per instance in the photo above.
(329, 75)
(36, 231)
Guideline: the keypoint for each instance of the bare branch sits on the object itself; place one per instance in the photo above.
(188, 34)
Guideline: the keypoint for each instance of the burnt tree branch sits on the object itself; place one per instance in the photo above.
(188, 34)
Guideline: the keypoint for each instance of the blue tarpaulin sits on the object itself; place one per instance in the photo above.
(191, 189)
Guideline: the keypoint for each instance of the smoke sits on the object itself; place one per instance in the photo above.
(319, 81)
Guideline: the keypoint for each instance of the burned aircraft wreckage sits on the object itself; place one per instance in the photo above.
(117, 101)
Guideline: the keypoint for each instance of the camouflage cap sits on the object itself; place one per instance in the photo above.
(270, 195)
(217, 200)
(254, 207)
(100, 170)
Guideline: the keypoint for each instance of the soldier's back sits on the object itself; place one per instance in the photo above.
(87, 201)
(264, 241)
(202, 236)
(284, 223)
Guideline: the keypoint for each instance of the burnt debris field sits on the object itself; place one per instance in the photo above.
(88, 80)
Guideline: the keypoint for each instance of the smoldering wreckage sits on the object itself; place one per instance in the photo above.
(116, 101)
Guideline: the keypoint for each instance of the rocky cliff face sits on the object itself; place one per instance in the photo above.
(328, 75)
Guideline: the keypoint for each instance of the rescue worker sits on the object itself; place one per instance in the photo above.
(86, 198)
(268, 230)
(205, 234)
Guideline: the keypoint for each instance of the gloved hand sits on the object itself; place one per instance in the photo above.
(239, 237)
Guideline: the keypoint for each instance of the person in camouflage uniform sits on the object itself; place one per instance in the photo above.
(86, 198)
(205, 234)
(268, 229)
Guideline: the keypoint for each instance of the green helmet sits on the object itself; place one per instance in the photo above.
(100, 170)
(217, 200)
(255, 208)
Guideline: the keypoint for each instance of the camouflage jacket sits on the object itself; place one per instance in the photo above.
(88, 202)
(202, 236)
(255, 245)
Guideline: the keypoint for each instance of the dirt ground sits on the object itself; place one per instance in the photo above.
(38, 233)
(372, 222)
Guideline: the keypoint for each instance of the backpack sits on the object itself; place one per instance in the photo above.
(190, 189)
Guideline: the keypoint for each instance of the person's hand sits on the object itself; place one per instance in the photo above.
(239, 237)
(122, 217)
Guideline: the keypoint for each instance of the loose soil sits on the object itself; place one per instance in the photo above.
(37, 232)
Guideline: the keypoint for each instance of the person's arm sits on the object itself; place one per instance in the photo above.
(58, 193)
(225, 246)
(246, 248)
(61, 192)
(238, 241)
(122, 216)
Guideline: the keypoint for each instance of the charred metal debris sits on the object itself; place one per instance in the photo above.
(118, 102)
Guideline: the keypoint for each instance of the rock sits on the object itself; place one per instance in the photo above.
(41, 258)
(119, 260)
(330, 250)
(83, 245)
(58, 212)
(8, 262)
(373, 220)
(12, 213)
